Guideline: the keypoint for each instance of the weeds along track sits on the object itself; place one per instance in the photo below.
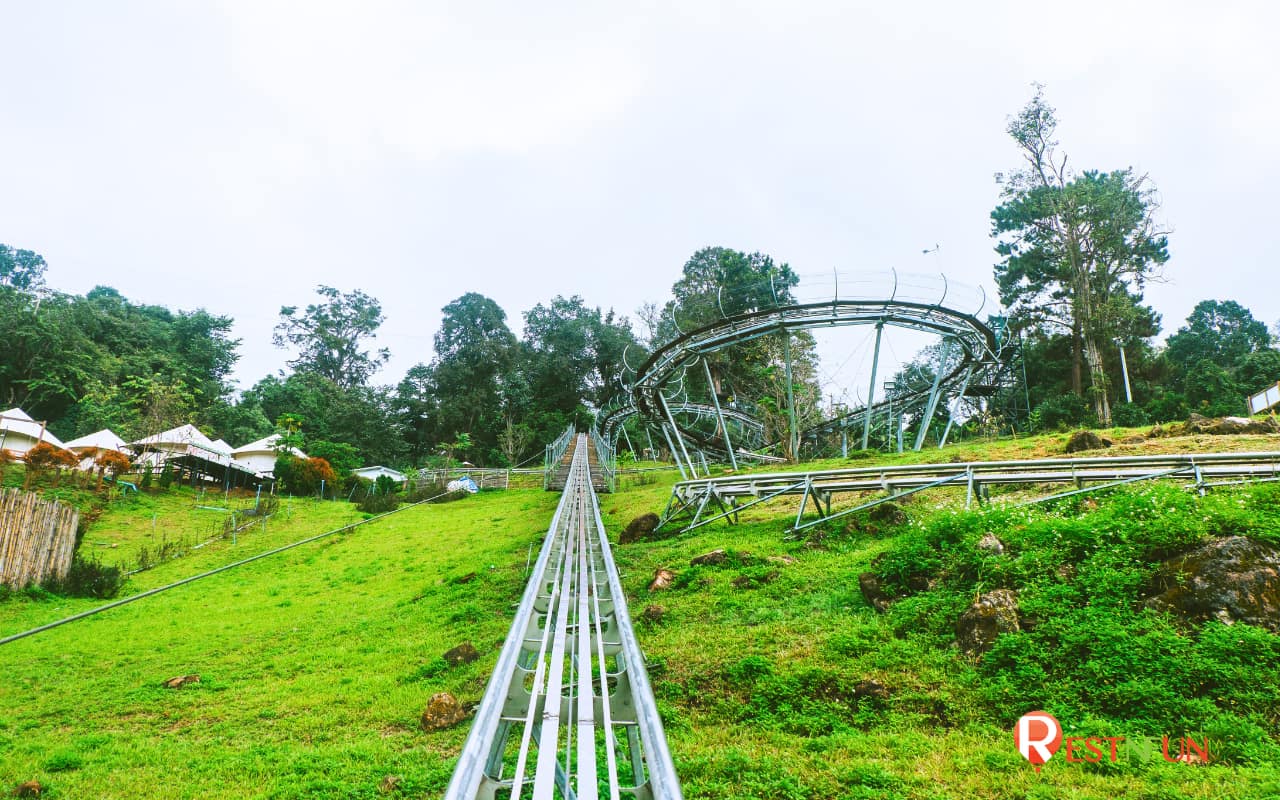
(569, 711)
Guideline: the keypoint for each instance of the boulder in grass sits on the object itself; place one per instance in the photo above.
(28, 789)
(1232, 579)
(1082, 441)
(180, 681)
(710, 559)
(443, 710)
(464, 653)
(639, 527)
(662, 578)
(990, 615)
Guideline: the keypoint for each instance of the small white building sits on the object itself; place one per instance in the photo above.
(260, 456)
(19, 432)
(373, 473)
(88, 447)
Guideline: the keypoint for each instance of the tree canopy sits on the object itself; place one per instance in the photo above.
(329, 336)
(1076, 249)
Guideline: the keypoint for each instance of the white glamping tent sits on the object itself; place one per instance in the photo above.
(19, 432)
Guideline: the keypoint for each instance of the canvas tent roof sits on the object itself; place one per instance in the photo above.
(379, 470)
(266, 444)
(183, 434)
(105, 439)
(20, 422)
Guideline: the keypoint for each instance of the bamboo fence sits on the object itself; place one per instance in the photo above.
(37, 538)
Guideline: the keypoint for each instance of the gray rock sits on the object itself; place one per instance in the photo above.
(639, 527)
(442, 711)
(1233, 579)
(709, 559)
(991, 543)
(1086, 440)
(464, 653)
(990, 615)
(869, 585)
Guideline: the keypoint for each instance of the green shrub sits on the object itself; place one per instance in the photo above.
(1063, 412)
(1129, 415)
(89, 578)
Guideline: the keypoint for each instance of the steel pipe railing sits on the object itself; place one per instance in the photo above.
(569, 710)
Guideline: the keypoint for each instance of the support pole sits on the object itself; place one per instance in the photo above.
(793, 434)
(715, 398)
(950, 418)
(628, 438)
(676, 430)
(871, 390)
(932, 405)
(1124, 367)
(649, 436)
(684, 476)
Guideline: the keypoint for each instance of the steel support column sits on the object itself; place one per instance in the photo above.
(964, 387)
(932, 404)
(793, 435)
(871, 390)
(675, 429)
(715, 398)
(684, 475)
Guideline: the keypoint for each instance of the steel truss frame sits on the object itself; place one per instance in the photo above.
(690, 499)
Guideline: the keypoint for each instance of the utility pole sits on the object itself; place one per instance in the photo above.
(1124, 367)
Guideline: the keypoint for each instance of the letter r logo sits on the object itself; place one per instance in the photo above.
(1038, 736)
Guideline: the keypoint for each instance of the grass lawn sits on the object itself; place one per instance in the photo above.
(315, 664)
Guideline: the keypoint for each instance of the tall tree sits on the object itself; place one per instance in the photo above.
(329, 336)
(22, 270)
(1076, 249)
(474, 352)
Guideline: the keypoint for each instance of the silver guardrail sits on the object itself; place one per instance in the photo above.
(556, 451)
(569, 711)
(605, 460)
(723, 497)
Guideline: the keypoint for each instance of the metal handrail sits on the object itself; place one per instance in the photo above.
(605, 459)
(572, 618)
(1111, 470)
(555, 451)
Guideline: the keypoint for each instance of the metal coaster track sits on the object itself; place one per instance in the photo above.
(699, 502)
(650, 392)
(569, 711)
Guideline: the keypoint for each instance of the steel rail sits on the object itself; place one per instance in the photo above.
(569, 711)
(977, 342)
(1203, 470)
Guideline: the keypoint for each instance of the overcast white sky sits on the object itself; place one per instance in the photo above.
(234, 155)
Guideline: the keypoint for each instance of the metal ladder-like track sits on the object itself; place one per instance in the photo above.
(569, 711)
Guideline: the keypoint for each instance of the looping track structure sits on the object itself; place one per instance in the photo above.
(569, 711)
(905, 307)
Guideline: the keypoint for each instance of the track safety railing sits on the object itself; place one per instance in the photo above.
(555, 452)
(605, 460)
(699, 502)
(569, 711)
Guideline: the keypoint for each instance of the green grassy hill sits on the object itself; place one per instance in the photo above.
(775, 677)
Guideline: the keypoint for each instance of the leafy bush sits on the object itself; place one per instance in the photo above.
(89, 578)
(1062, 412)
(305, 476)
(1129, 415)
(374, 503)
